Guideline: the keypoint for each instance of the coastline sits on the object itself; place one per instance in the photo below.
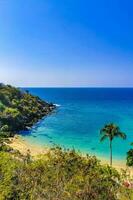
(20, 144)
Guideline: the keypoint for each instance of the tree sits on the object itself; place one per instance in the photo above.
(12, 118)
(130, 157)
(111, 131)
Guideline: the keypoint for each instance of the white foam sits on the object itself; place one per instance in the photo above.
(57, 105)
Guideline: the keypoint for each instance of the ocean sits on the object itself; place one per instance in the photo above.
(79, 116)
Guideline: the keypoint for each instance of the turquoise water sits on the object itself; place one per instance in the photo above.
(80, 114)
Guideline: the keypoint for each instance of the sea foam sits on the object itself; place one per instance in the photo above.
(57, 105)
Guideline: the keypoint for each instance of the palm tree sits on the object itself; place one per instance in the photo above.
(111, 131)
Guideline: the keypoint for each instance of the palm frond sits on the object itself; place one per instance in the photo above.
(111, 131)
(121, 135)
(103, 138)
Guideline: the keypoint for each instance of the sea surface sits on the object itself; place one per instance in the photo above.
(79, 116)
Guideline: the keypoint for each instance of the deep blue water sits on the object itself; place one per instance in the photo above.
(82, 113)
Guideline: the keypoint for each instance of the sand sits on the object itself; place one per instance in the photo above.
(18, 143)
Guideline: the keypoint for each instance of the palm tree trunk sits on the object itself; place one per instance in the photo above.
(110, 152)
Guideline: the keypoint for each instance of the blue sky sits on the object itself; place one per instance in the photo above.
(66, 43)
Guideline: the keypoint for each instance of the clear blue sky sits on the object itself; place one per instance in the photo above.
(66, 43)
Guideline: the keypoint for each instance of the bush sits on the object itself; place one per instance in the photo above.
(130, 158)
(57, 175)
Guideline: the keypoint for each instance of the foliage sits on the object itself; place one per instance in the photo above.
(58, 175)
(7, 167)
(130, 158)
(20, 110)
(111, 131)
(1, 106)
(126, 189)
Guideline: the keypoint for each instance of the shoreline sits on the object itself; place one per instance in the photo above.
(20, 144)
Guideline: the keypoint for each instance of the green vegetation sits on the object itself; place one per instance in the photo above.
(60, 175)
(130, 157)
(111, 131)
(19, 110)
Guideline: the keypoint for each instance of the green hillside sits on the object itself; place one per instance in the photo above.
(19, 110)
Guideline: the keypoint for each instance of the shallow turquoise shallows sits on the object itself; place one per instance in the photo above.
(80, 114)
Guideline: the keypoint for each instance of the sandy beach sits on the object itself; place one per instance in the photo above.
(18, 143)
(23, 146)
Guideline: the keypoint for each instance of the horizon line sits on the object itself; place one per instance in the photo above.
(68, 86)
(84, 87)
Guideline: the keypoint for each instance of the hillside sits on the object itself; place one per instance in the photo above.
(19, 110)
